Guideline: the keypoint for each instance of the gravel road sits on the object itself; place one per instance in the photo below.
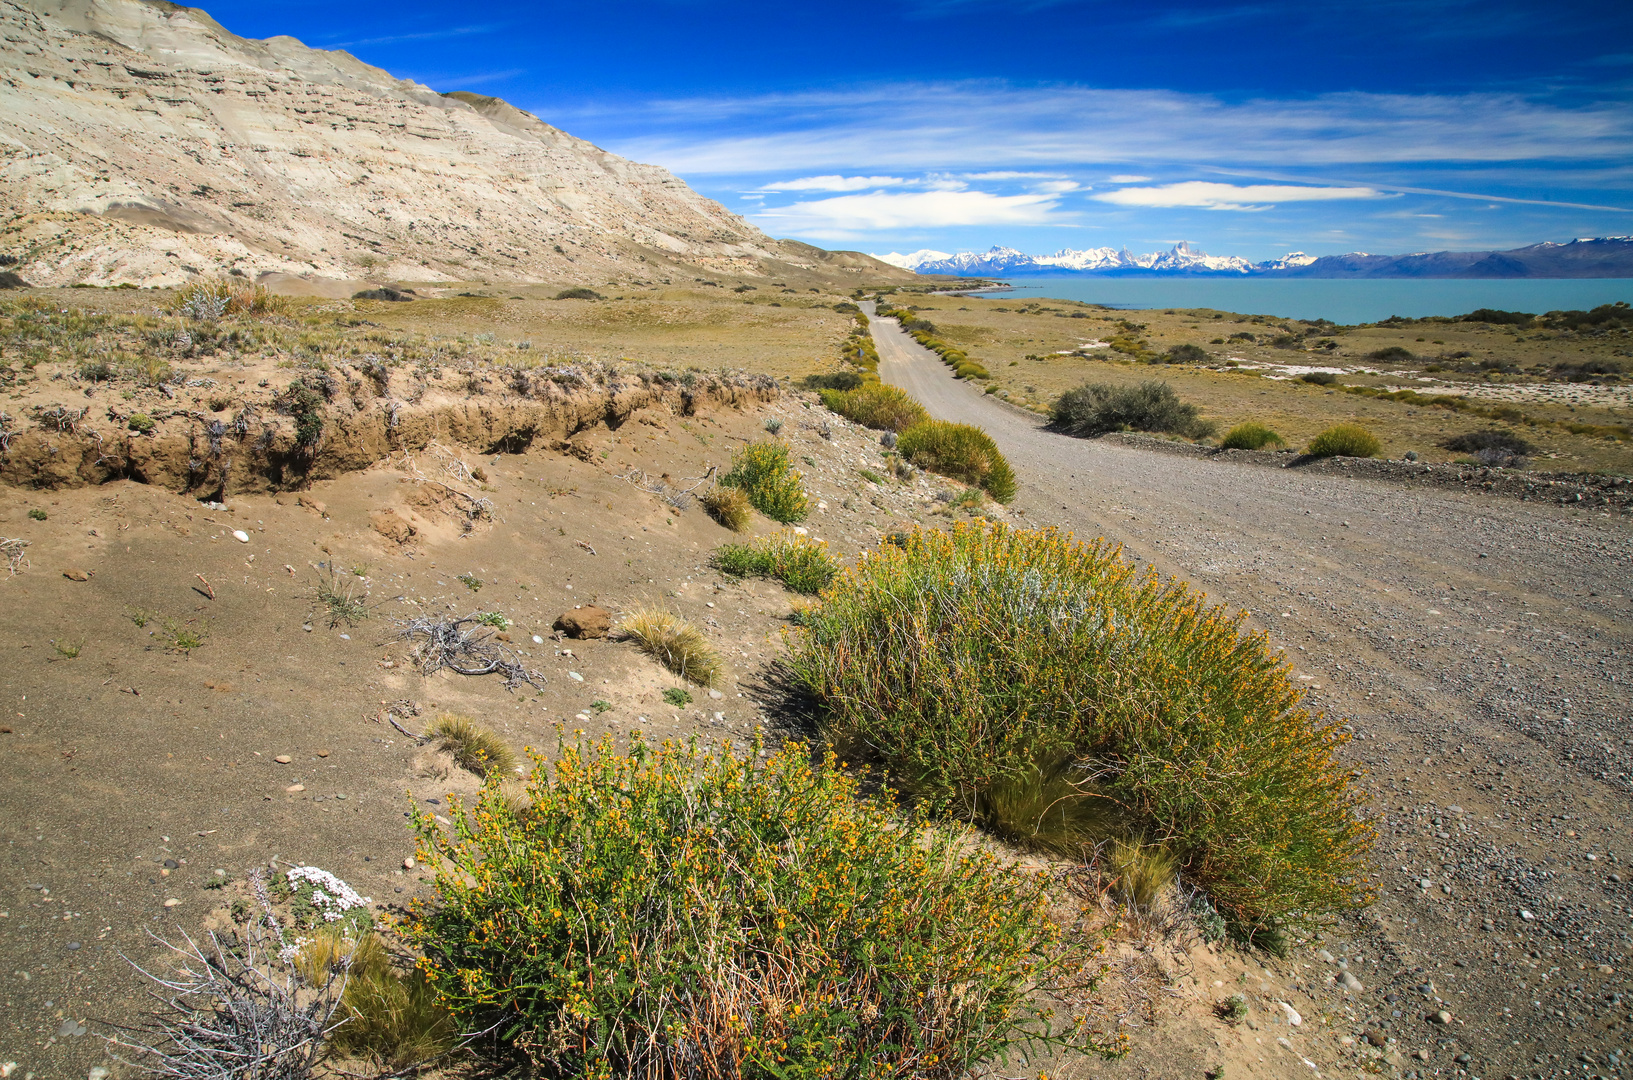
(1480, 647)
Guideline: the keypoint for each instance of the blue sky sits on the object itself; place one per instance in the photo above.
(1250, 128)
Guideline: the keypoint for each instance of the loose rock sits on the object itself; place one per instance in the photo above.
(588, 621)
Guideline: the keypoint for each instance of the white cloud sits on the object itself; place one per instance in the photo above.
(836, 183)
(1011, 174)
(1057, 187)
(1127, 178)
(1214, 196)
(856, 215)
(986, 128)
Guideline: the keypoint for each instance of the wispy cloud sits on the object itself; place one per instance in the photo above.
(984, 127)
(848, 216)
(426, 35)
(1209, 195)
(835, 183)
(1127, 178)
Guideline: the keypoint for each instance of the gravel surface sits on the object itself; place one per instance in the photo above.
(1480, 648)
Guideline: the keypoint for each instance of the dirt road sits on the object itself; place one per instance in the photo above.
(1480, 646)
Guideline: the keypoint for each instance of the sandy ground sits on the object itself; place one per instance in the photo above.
(1480, 648)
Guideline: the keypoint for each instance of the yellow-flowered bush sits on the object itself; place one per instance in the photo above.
(983, 658)
(669, 912)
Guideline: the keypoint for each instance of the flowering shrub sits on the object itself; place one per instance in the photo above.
(984, 658)
(774, 488)
(671, 912)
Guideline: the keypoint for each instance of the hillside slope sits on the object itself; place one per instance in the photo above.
(142, 142)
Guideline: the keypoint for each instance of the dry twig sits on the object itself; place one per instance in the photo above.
(14, 552)
(465, 646)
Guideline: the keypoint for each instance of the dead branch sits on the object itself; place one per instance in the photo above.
(14, 550)
(466, 647)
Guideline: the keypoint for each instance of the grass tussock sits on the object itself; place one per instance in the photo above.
(763, 473)
(476, 748)
(675, 643)
(960, 451)
(1345, 440)
(806, 931)
(388, 1015)
(965, 658)
(1250, 436)
(208, 301)
(800, 563)
(1097, 408)
(881, 407)
(729, 506)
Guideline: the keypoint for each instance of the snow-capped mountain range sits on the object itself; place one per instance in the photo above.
(1589, 257)
(1180, 259)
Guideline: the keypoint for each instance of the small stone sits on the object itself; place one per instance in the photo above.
(73, 946)
(76, 575)
(1326, 957)
(97, 1073)
(323, 753)
(241, 536)
(1442, 1017)
(1292, 1014)
(1421, 1055)
(292, 788)
(1425, 884)
(1351, 983)
(172, 902)
(575, 676)
(1606, 969)
(408, 863)
(1527, 916)
(1375, 1038)
(171, 864)
(537, 640)
(715, 694)
(1464, 1058)
(283, 759)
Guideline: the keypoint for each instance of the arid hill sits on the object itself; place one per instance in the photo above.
(144, 143)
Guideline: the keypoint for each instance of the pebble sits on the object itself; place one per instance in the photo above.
(172, 902)
(1326, 957)
(241, 536)
(408, 864)
(283, 759)
(1442, 1017)
(715, 694)
(1351, 983)
(97, 1073)
(295, 787)
(73, 946)
(575, 676)
(537, 640)
(1292, 1014)
(70, 1027)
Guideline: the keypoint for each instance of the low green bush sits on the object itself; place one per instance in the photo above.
(834, 380)
(1344, 440)
(960, 451)
(1010, 674)
(762, 472)
(1319, 378)
(669, 912)
(1503, 441)
(579, 294)
(884, 408)
(1250, 436)
(1187, 354)
(1096, 408)
(799, 562)
(1392, 354)
(141, 423)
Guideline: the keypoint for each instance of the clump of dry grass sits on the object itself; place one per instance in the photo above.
(386, 1014)
(473, 746)
(730, 507)
(675, 643)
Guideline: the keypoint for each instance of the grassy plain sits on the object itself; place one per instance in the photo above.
(1034, 352)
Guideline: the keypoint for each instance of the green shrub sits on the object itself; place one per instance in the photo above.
(579, 294)
(667, 912)
(1318, 378)
(984, 659)
(1505, 442)
(762, 472)
(1344, 440)
(729, 506)
(884, 408)
(960, 451)
(141, 423)
(836, 380)
(1392, 354)
(37, 514)
(1250, 436)
(1187, 354)
(800, 563)
(1096, 408)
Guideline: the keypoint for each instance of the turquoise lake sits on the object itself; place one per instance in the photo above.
(1344, 302)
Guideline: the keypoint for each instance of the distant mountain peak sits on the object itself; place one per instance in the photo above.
(1586, 257)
